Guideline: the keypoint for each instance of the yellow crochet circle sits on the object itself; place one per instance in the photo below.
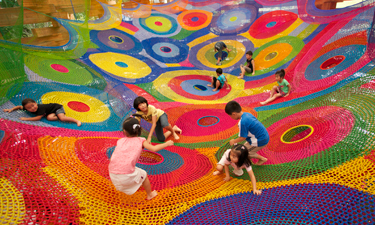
(161, 85)
(290, 131)
(98, 112)
(282, 50)
(109, 62)
(237, 48)
(153, 21)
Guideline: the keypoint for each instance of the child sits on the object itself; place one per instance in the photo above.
(52, 111)
(251, 130)
(218, 82)
(125, 176)
(250, 67)
(219, 47)
(238, 158)
(157, 117)
(282, 90)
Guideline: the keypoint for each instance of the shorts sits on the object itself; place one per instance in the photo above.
(60, 110)
(278, 89)
(160, 124)
(247, 69)
(129, 183)
(253, 149)
(214, 79)
(219, 47)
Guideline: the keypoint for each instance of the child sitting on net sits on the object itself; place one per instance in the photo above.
(51, 111)
(282, 90)
(125, 176)
(238, 158)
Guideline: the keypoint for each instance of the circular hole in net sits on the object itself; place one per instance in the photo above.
(224, 55)
(332, 62)
(200, 87)
(116, 39)
(296, 134)
(78, 106)
(148, 157)
(207, 121)
(270, 56)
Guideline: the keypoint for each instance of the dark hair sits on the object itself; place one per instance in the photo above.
(139, 100)
(281, 73)
(219, 70)
(249, 52)
(232, 107)
(27, 101)
(242, 157)
(132, 127)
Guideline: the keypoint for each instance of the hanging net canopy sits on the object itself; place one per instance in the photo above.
(96, 57)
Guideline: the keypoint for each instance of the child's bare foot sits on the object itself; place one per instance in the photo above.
(175, 136)
(152, 195)
(210, 85)
(217, 172)
(241, 76)
(177, 129)
(214, 90)
(260, 162)
(263, 103)
(79, 123)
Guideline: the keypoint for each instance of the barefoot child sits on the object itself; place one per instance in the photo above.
(251, 130)
(125, 176)
(157, 117)
(220, 81)
(250, 67)
(52, 111)
(237, 157)
(282, 90)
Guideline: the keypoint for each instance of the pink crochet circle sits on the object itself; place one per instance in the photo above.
(59, 68)
(331, 125)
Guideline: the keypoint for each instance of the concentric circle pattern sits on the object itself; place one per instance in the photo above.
(320, 166)
(272, 23)
(236, 19)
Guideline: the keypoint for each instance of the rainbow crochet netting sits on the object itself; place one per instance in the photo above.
(321, 157)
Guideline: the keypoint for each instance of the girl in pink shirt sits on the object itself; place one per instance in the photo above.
(125, 176)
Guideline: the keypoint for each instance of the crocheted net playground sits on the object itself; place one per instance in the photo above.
(321, 157)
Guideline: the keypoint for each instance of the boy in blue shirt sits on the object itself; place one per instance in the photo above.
(251, 130)
(218, 82)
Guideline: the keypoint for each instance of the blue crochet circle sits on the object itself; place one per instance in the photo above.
(166, 50)
(121, 64)
(352, 53)
(271, 24)
(299, 204)
(114, 40)
(190, 87)
(236, 19)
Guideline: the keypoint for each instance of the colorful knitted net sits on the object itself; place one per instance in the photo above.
(321, 157)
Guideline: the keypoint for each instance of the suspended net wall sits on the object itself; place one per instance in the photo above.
(95, 58)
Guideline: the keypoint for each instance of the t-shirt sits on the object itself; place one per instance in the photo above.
(253, 130)
(249, 64)
(152, 111)
(46, 109)
(220, 45)
(226, 162)
(222, 79)
(284, 85)
(126, 155)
